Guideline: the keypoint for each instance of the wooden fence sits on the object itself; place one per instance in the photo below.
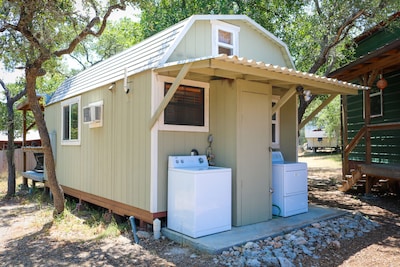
(18, 157)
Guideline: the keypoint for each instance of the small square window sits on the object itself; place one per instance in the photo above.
(225, 50)
(376, 103)
(225, 38)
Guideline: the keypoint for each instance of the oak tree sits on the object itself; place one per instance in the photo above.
(34, 32)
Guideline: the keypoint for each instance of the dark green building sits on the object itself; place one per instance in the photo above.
(371, 121)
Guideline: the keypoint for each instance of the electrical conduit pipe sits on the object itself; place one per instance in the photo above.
(132, 220)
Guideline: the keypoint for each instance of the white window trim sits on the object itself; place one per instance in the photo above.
(219, 25)
(68, 103)
(184, 128)
(276, 144)
(378, 93)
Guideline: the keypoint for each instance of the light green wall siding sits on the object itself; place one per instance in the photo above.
(288, 129)
(112, 161)
(239, 142)
(224, 126)
(252, 44)
(196, 43)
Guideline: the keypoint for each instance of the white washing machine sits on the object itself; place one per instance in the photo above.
(199, 196)
(289, 184)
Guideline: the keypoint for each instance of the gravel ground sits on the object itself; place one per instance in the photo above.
(30, 237)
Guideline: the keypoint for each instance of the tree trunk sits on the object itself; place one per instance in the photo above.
(10, 150)
(58, 194)
(303, 106)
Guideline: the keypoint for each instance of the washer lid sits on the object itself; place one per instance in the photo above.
(277, 157)
(199, 161)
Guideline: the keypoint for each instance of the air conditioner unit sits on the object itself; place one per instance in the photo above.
(93, 114)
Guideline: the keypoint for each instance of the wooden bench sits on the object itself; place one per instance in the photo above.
(34, 176)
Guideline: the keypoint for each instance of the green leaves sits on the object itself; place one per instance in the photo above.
(118, 36)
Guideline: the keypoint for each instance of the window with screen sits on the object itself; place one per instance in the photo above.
(186, 106)
(188, 109)
(225, 38)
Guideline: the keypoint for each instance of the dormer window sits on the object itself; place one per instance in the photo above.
(225, 38)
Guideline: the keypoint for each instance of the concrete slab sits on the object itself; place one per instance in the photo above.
(216, 243)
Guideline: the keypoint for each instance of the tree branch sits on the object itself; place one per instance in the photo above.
(341, 33)
(11, 99)
(25, 19)
(88, 29)
(317, 7)
(78, 60)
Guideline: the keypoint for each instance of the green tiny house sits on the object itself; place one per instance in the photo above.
(371, 134)
(117, 122)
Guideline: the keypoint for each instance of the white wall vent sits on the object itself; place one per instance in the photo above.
(93, 114)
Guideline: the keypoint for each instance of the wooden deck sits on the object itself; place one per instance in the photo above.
(390, 171)
(373, 175)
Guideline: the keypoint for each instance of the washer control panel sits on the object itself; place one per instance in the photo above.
(187, 161)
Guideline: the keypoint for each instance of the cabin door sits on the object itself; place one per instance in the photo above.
(254, 162)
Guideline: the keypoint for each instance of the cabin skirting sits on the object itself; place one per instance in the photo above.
(114, 206)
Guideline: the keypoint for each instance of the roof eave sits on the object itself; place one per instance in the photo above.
(280, 77)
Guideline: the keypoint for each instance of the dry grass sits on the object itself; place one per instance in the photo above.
(321, 160)
(72, 225)
(4, 184)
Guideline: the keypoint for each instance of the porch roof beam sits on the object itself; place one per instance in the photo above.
(292, 91)
(174, 87)
(306, 82)
(317, 110)
(237, 68)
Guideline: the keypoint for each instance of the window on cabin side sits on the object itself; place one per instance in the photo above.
(275, 125)
(70, 121)
(376, 103)
(186, 106)
(188, 109)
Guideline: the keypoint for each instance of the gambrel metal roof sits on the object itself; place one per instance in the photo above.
(148, 54)
(154, 52)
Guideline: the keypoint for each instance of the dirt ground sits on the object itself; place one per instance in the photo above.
(29, 236)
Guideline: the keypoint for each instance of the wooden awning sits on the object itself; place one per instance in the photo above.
(384, 59)
(281, 78)
(285, 82)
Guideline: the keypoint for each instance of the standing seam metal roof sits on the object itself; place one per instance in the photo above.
(142, 56)
(150, 53)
